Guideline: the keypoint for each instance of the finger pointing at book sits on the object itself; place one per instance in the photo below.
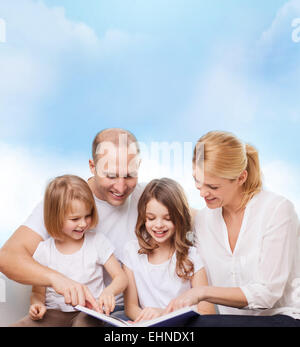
(188, 298)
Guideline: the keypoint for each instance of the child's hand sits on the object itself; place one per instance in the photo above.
(37, 311)
(149, 313)
(107, 301)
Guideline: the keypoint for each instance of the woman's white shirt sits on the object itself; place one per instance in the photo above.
(84, 266)
(157, 284)
(265, 263)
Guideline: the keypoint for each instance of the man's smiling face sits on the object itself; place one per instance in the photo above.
(115, 176)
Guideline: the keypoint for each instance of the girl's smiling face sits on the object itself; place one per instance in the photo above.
(77, 221)
(158, 223)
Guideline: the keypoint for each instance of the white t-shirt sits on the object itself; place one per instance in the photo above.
(265, 263)
(117, 223)
(157, 284)
(84, 266)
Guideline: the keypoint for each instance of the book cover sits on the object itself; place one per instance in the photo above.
(173, 319)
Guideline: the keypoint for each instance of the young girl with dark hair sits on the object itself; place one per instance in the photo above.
(161, 264)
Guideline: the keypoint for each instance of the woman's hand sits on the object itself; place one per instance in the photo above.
(37, 311)
(74, 293)
(191, 297)
(149, 313)
(107, 301)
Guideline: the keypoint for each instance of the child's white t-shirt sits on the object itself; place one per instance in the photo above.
(84, 266)
(117, 223)
(157, 284)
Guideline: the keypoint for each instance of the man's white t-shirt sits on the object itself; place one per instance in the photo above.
(84, 266)
(157, 284)
(117, 223)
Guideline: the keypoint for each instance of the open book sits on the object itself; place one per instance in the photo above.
(173, 319)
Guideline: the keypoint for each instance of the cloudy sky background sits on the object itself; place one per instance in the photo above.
(168, 70)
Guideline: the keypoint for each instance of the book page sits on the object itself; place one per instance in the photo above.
(108, 319)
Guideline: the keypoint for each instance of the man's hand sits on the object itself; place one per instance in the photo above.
(74, 293)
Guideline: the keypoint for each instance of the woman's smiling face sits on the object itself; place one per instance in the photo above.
(216, 191)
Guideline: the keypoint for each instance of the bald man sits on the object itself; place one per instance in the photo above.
(114, 165)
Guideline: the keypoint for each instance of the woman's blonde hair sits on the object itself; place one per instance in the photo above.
(225, 156)
(170, 194)
(59, 195)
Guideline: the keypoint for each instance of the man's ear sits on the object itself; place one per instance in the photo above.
(243, 177)
(92, 167)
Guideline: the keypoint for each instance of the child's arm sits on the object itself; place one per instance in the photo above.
(37, 308)
(117, 286)
(131, 301)
(132, 307)
(200, 279)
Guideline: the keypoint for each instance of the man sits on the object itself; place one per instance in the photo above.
(116, 190)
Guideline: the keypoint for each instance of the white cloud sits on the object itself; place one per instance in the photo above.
(23, 178)
(37, 38)
(283, 178)
(43, 50)
(247, 82)
(279, 54)
(224, 93)
(115, 41)
(39, 26)
(281, 24)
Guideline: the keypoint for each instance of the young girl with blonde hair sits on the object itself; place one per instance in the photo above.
(75, 250)
(161, 264)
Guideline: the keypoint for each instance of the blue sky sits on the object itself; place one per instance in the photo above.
(166, 70)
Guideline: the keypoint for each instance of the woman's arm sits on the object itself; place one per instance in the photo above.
(200, 279)
(278, 252)
(233, 297)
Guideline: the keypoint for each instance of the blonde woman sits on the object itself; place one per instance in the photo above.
(75, 250)
(248, 238)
